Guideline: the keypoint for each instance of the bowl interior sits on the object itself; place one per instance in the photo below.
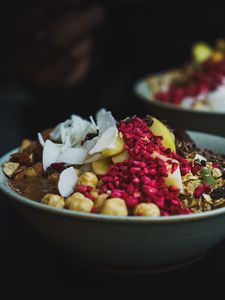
(203, 140)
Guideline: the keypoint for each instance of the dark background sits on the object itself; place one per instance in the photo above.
(136, 38)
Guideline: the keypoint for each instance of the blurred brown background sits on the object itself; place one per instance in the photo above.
(63, 57)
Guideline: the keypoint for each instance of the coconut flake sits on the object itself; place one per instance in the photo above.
(100, 114)
(63, 133)
(95, 126)
(72, 133)
(199, 157)
(56, 133)
(94, 157)
(89, 144)
(74, 156)
(76, 128)
(105, 140)
(67, 182)
(105, 121)
(79, 129)
(41, 140)
(51, 152)
(67, 144)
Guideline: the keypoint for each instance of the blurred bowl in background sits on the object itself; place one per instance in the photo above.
(198, 120)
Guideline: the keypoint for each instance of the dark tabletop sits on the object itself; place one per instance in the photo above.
(30, 267)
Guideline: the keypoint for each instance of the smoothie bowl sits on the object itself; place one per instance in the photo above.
(191, 95)
(197, 85)
(132, 194)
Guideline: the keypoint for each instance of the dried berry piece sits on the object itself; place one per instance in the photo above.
(35, 149)
(201, 189)
(218, 193)
(196, 168)
(56, 168)
(21, 158)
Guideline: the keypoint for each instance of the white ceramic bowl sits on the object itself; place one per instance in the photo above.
(210, 121)
(127, 243)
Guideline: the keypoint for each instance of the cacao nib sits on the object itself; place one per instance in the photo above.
(55, 168)
(129, 119)
(148, 120)
(218, 193)
(203, 163)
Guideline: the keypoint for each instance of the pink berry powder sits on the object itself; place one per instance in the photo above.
(141, 178)
(210, 77)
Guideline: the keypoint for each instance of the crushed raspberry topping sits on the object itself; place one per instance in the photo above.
(201, 189)
(85, 190)
(196, 168)
(141, 178)
(203, 81)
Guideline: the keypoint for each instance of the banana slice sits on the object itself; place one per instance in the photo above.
(101, 166)
(158, 128)
(201, 52)
(173, 178)
(115, 149)
(120, 157)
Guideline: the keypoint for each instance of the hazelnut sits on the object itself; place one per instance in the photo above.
(88, 178)
(10, 168)
(114, 207)
(147, 209)
(53, 200)
(72, 198)
(81, 204)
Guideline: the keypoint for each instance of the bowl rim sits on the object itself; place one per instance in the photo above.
(8, 191)
(141, 85)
